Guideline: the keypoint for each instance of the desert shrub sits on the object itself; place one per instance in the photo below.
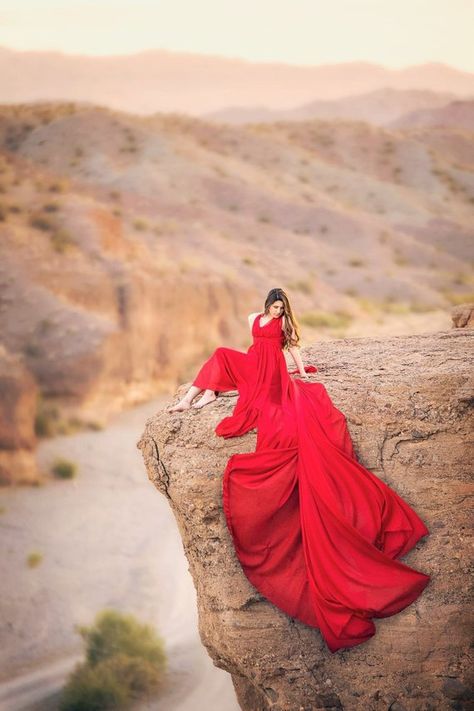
(93, 689)
(324, 319)
(396, 307)
(456, 298)
(111, 684)
(41, 222)
(356, 262)
(61, 240)
(44, 325)
(368, 305)
(94, 425)
(46, 419)
(463, 278)
(56, 187)
(3, 214)
(140, 225)
(51, 207)
(64, 469)
(399, 258)
(351, 291)
(34, 559)
(248, 261)
(419, 307)
(32, 350)
(124, 661)
(302, 285)
(115, 632)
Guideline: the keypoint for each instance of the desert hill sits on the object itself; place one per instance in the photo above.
(132, 246)
(458, 114)
(380, 107)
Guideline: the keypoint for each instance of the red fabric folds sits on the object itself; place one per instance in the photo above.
(315, 532)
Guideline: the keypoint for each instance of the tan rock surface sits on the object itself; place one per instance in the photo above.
(407, 402)
(18, 394)
(463, 315)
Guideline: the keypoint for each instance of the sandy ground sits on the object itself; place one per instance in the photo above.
(108, 539)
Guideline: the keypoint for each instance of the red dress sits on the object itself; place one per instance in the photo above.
(315, 532)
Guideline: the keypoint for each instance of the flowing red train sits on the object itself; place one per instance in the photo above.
(315, 532)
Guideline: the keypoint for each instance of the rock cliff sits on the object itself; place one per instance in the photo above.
(408, 402)
(18, 395)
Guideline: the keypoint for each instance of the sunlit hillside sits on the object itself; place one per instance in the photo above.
(132, 246)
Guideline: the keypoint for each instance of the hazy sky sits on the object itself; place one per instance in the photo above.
(394, 33)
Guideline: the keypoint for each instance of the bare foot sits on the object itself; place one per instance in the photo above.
(180, 406)
(204, 400)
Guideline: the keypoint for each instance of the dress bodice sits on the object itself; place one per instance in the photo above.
(270, 333)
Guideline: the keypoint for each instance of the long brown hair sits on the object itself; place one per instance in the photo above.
(290, 323)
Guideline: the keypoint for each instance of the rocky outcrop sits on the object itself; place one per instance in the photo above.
(408, 403)
(463, 315)
(18, 394)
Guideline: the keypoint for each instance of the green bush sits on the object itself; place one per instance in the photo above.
(124, 661)
(94, 689)
(117, 632)
(64, 469)
(34, 559)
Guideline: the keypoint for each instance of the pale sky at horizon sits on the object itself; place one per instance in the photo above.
(392, 33)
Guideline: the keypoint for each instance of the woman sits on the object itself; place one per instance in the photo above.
(315, 532)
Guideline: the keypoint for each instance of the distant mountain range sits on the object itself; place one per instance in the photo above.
(458, 114)
(163, 81)
(382, 107)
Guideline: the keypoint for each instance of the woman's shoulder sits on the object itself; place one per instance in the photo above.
(253, 316)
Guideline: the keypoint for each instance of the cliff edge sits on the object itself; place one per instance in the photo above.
(408, 403)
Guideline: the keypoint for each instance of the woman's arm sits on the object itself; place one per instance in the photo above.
(295, 354)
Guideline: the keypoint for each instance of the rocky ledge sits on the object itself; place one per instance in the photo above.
(408, 404)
